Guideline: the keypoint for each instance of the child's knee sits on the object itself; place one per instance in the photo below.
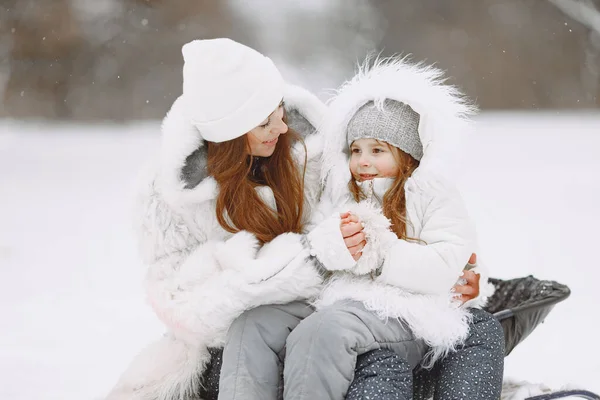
(484, 321)
(249, 322)
(325, 328)
(485, 327)
(251, 316)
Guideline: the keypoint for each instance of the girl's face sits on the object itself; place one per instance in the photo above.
(263, 138)
(370, 159)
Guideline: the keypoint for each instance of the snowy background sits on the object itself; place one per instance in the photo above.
(73, 313)
(74, 74)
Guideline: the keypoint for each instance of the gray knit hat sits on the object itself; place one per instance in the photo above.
(397, 124)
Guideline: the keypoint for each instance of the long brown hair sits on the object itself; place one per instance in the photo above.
(394, 200)
(239, 207)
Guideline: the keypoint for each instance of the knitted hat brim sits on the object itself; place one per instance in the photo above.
(253, 111)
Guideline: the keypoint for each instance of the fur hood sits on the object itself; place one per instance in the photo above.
(182, 176)
(444, 113)
(397, 278)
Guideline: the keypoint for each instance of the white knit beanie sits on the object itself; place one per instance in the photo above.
(228, 88)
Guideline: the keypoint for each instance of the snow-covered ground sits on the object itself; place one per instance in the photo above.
(71, 305)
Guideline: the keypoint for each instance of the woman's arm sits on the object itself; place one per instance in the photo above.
(195, 284)
(467, 288)
(474, 289)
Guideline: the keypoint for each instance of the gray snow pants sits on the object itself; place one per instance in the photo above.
(319, 354)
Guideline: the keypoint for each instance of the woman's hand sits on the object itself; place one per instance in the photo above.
(470, 289)
(352, 232)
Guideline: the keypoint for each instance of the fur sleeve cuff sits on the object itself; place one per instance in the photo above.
(379, 237)
(327, 244)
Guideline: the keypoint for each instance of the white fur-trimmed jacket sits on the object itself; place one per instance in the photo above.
(397, 278)
(200, 277)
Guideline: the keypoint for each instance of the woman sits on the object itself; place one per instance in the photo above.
(232, 178)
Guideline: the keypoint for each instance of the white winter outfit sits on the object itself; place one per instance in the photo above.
(396, 278)
(200, 277)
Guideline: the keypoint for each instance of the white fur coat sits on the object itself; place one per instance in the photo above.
(396, 278)
(200, 277)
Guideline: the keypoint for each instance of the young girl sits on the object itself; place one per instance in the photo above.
(384, 150)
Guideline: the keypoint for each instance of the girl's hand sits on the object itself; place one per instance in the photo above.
(348, 218)
(473, 259)
(470, 289)
(352, 232)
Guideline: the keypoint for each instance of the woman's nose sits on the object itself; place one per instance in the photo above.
(280, 127)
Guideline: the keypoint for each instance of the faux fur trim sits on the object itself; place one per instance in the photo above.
(179, 140)
(199, 304)
(309, 105)
(312, 111)
(443, 110)
(312, 173)
(167, 369)
(379, 237)
(327, 244)
(434, 318)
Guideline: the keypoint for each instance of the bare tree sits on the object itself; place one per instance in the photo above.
(586, 13)
(44, 41)
(121, 59)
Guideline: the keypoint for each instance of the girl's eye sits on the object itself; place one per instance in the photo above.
(376, 150)
(355, 151)
(265, 125)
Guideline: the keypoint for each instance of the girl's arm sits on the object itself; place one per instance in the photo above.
(326, 237)
(447, 240)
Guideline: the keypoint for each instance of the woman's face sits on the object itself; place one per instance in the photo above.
(264, 137)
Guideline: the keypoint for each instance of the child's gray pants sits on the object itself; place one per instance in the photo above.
(319, 354)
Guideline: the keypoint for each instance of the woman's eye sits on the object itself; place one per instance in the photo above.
(265, 125)
(377, 150)
(355, 151)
